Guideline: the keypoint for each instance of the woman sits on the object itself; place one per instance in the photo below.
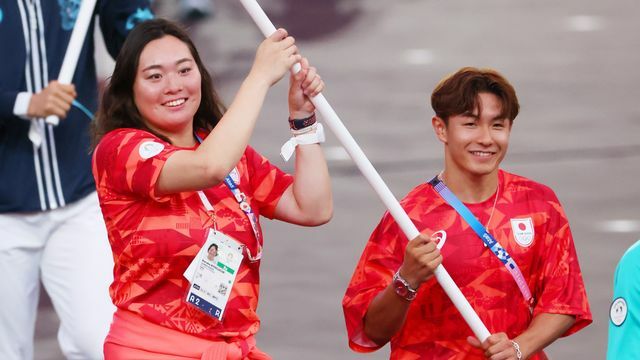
(174, 172)
(212, 252)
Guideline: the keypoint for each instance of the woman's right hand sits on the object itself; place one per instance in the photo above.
(421, 258)
(275, 56)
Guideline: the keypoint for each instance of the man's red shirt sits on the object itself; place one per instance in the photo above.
(434, 329)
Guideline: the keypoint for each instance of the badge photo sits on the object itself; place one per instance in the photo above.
(523, 232)
(618, 311)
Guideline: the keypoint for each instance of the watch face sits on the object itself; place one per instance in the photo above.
(400, 288)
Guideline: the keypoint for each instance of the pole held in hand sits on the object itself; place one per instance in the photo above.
(408, 228)
(79, 33)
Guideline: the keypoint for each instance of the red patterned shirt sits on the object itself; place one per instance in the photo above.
(154, 238)
(528, 221)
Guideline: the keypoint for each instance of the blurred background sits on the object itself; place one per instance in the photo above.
(574, 65)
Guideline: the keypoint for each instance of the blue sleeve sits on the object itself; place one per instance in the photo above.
(118, 17)
(624, 311)
(7, 101)
(12, 74)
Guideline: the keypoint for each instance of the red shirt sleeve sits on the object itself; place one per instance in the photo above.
(129, 161)
(561, 289)
(268, 182)
(380, 259)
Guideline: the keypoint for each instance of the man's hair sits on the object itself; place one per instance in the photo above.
(118, 109)
(458, 93)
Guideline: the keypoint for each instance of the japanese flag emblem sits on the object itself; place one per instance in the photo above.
(523, 231)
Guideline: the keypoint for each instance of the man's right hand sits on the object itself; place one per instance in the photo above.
(55, 99)
(421, 258)
(388, 311)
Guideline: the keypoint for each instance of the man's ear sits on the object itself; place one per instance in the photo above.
(440, 128)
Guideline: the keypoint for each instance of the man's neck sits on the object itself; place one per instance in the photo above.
(470, 189)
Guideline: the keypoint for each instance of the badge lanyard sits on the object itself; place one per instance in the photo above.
(241, 198)
(484, 235)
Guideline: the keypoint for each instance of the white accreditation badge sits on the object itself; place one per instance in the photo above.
(212, 273)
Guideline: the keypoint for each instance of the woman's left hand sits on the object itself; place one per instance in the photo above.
(496, 347)
(302, 87)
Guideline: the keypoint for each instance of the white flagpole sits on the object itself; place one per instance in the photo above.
(79, 33)
(370, 173)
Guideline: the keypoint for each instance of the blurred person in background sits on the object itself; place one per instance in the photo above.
(624, 313)
(50, 223)
(175, 173)
(191, 10)
(526, 287)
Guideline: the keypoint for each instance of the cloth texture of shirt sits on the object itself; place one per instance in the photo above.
(129, 339)
(155, 237)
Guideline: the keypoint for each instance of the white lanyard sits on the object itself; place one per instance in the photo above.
(241, 198)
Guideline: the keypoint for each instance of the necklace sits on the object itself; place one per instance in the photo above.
(495, 201)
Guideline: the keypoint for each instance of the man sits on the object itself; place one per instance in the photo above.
(50, 222)
(529, 296)
(624, 313)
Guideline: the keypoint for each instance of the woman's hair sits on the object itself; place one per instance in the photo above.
(211, 246)
(458, 93)
(118, 109)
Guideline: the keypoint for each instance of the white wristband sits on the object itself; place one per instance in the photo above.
(310, 137)
(21, 106)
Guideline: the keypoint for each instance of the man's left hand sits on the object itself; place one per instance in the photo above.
(496, 347)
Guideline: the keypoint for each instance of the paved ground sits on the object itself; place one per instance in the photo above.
(574, 64)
